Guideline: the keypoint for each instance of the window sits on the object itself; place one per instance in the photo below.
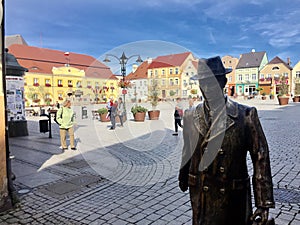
(35, 82)
(59, 83)
(35, 96)
(286, 74)
(78, 84)
(171, 71)
(253, 76)
(145, 83)
(97, 84)
(275, 68)
(240, 77)
(184, 93)
(70, 83)
(47, 83)
(246, 77)
(176, 71)
(163, 82)
(171, 82)
(176, 81)
(151, 73)
(156, 73)
(297, 74)
(230, 78)
(269, 75)
(163, 72)
(262, 76)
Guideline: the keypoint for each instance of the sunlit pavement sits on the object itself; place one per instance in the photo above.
(129, 175)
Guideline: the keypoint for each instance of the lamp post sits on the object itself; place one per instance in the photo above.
(123, 61)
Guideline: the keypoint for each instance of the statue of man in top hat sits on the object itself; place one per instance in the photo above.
(217, 136)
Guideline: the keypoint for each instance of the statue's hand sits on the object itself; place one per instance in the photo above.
(183, 182)
(260, 216)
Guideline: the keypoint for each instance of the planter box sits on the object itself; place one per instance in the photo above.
(263, 97)
(103, 118)
(296, 99)
(139, 116)
(283, 100)
(153, 114)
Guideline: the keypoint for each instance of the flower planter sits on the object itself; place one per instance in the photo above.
(283, 100)
(103, 118)
(296, 99)
(139, 116)
(153, 114)
(263, 97)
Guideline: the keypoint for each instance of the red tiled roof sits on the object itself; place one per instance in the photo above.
(42, 60)
(140, 73)
(157, 64)
(173, 59)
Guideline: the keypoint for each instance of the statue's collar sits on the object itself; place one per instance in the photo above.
(231, 107)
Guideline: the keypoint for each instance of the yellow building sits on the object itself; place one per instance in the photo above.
(169, 71)
(270, 74)
(231, 63)
(296, 78)
(53, 74)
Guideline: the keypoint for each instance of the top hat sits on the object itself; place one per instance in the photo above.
(211, 67)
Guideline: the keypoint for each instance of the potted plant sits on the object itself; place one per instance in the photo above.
(103, 114)
(263, 96)
(154, 113)
(296, 97)
(271, 96)
(139, 113)
(283, 95)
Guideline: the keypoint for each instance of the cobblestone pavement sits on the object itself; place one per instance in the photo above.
(129, 175)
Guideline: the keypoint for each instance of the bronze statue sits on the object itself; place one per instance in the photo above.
(217, 136)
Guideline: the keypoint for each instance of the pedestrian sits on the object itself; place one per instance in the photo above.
(57, 105)
(65, 118)
(120, 110)
(191, 104)
(113, 114)
(108, 106)
(178, 113)
(217, 136)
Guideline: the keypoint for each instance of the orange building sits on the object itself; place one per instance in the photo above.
(230, 62)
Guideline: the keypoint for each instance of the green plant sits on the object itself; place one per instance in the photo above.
(283, 86)
(263, 94)
(137, 108)
(194, 91)
(154, 94)
(102, 111)
(172, 93)
(297, 89)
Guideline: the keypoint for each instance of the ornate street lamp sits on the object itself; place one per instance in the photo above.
(123, 61)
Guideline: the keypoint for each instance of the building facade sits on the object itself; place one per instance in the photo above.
(52, 75)
(271, 73)
(230, 62)
(247, 72)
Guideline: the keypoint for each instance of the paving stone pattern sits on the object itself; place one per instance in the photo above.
(129, 175)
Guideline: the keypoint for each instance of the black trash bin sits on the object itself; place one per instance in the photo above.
(44, 126)
(84, 112)
(42, 111)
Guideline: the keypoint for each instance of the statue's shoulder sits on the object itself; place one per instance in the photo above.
(242, 108)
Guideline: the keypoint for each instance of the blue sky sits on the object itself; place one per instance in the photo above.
(159, 27)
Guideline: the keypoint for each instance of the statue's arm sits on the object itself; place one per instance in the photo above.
(259, 151)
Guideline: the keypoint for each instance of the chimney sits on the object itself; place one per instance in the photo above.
(149, 60)
(134, 67)
(289, 61)
(253, 50)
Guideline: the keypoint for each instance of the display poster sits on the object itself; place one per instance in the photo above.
(15, 98)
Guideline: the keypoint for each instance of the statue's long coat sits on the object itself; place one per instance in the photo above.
(221, 194)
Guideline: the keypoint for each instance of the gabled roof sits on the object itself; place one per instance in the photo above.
(170, 60)
(140, 73)
(250, 60)
(14, 39)
(156, 64)
(42, 60)
(278, 60)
